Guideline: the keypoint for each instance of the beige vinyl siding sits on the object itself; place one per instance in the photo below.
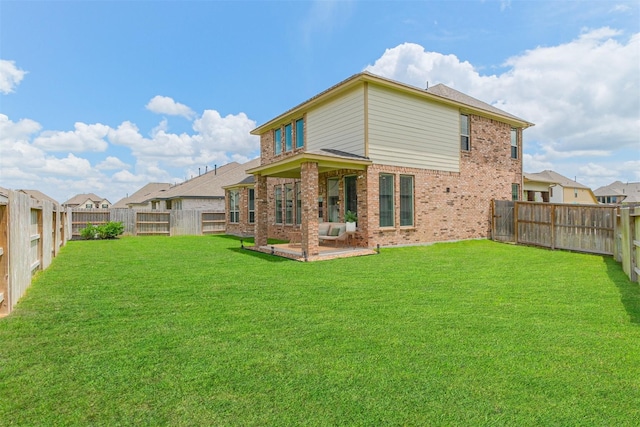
(338, 124)
(408, 131)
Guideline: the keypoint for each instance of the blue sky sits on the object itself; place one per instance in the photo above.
(107, 96)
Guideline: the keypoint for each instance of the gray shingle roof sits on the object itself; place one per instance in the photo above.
(142, 195)
(209, 185)
(630, 190)
(553, 178)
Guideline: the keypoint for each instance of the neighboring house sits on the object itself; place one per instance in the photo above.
(241, 207)
(618, 193)
(203, 192)
(551, 187)
(141, 199)
(87, 201)
(415, 165)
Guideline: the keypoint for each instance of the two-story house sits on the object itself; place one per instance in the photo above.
(415, 165)
(87, 201)
(551, 187)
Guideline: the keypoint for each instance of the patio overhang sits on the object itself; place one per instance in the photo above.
(327, 160)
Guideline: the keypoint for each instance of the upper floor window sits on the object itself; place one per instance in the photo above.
(277, 141)
(299, 133)
(514, 143)
(288, 137)
(465, 143)
(89, 205)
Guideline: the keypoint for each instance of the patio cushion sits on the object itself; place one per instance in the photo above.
(335, 231)
(323, 229)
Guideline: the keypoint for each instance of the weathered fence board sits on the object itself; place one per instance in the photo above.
(213, 222)
(152, 222)
(502, 223)
(583, 228)
(31, 233)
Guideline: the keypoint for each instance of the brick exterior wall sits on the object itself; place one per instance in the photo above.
(451, 205)
(447, 205)
(243, 227)
(267, 152)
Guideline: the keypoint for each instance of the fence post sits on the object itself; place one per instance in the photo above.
(633, 244)
(516, 237)
(553, 227)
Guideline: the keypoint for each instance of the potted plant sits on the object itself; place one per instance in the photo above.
(350, 219)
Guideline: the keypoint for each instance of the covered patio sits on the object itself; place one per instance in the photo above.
(286, 250)
(311, 169)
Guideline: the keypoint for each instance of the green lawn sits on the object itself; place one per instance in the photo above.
(195, 331)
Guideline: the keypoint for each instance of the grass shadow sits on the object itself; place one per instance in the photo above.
(261, 255)
(629, 291)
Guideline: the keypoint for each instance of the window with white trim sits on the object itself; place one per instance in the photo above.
(277, 141)
(406, 200)
(299, 133)
(386, 202)
(288, 194)
(288, 137)
(234, 206)
(252, 205)
(465, 141)
(278, 201)
(298, 202)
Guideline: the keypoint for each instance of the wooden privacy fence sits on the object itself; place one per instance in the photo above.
(152, 222)
(31, 235)
(606, 230)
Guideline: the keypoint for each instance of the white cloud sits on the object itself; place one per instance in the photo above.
(112, 163)
(17, 131)
(165, 105)
(230, 133)
(10, 76)
(68, 166)
(83, 138)
(620, 8)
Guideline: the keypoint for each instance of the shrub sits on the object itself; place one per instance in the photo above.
(110, 230)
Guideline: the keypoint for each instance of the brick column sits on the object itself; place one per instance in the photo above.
(262, 214)
(309, 227)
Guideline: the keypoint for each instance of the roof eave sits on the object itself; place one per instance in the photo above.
(372, 78)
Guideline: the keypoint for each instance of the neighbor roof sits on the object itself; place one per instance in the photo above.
(618, 188)
(81, 198)
(630, 190)
(143, 194)
(438, 93)
(553, 178)
(210, 184)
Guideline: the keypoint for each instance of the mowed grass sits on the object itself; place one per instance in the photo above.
(195, 331)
